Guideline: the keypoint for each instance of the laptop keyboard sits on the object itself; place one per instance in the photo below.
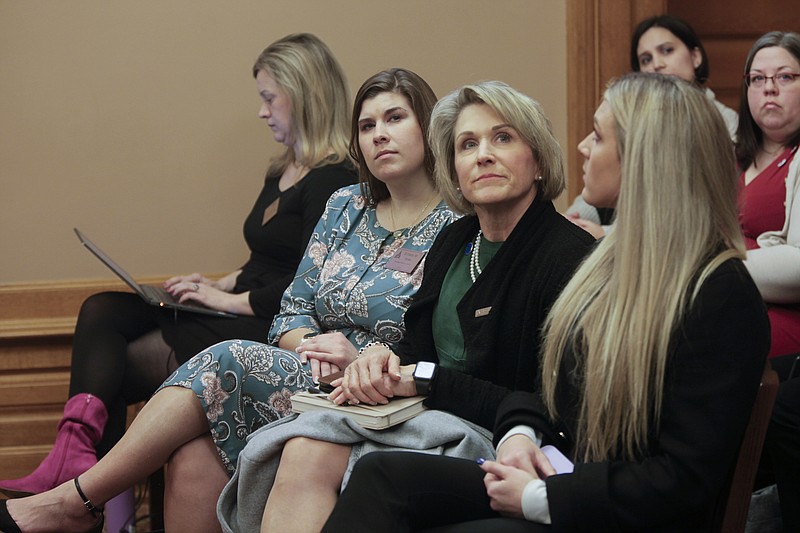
(158, 293)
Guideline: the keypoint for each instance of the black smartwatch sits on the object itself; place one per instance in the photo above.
(423, 375)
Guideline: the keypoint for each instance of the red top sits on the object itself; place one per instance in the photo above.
(762, 202)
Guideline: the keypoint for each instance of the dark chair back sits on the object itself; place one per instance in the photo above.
(738, 501)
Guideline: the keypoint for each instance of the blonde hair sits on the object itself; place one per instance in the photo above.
(519, 111)
(676, 223)
(305, 68)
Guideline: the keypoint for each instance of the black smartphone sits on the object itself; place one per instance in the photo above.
(325, 381)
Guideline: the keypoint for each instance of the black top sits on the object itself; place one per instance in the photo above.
(277, 246)
(513, 295)
(715, 364)
(275, 251)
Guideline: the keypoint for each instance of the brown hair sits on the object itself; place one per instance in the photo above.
(749, 135)
(422, 99)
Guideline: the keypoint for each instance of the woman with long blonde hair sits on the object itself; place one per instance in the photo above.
(124, 348)
(652, 354)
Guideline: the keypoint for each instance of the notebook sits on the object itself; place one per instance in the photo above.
(367, 416)
(152, 294)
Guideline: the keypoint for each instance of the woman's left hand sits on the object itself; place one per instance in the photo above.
(521, 452)
(211, 297)
(504, 486)
(327, 353)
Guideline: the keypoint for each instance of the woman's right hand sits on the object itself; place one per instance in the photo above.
(326, 353)
(374, 378)
(521, 452)
(173, 284)
(224, 284)
(505, 486)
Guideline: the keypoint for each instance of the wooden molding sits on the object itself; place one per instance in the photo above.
(598, 37)
(37, 321)
(49, 308)
(48, 301)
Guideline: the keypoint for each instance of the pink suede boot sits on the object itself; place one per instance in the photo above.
(73, 453)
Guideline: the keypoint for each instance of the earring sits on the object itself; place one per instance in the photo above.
(539, 178)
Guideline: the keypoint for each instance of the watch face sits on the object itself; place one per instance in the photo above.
(424, 370)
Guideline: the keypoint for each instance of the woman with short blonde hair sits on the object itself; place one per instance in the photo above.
(519, 111)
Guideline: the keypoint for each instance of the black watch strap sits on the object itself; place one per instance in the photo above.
(423, 376)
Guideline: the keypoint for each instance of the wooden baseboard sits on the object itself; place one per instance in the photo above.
(37, 321)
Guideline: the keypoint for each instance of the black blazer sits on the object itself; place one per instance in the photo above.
(519, 285)
(716, 361)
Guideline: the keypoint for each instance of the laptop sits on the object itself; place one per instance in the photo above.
(152, 294)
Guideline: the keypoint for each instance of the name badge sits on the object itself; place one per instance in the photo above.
(405, 260)
(483, 311)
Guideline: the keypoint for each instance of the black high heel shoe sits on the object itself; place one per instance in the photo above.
(8, 525)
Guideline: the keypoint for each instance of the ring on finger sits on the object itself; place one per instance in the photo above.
(196, 287)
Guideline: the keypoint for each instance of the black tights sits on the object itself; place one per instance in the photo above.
(118, 355)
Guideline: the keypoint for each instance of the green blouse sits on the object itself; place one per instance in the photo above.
(447, 335)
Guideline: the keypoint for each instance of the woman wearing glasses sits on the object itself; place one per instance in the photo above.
(769, 135)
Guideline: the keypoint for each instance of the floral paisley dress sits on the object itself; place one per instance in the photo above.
(346, 283)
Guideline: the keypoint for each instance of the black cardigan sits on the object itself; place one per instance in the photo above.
(716, 361)
(519, 285)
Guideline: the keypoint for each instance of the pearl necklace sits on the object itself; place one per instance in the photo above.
(474, 258)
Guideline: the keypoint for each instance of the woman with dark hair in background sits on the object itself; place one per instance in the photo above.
(665, 44)
(769, 135)
(668, 45)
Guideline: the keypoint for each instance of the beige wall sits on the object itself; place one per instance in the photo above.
(136, 121)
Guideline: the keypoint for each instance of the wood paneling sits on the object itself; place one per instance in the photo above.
(36, 325)
(737, 17)
(598, 38)
(728, 29)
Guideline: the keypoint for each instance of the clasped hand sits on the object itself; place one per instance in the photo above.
(374, 378)
(519, 460)
(326, 353)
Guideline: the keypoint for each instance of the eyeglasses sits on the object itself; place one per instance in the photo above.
(759, 80)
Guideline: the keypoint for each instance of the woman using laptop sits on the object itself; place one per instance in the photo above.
(124, 348)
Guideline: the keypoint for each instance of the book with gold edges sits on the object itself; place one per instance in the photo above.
(367, 416)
